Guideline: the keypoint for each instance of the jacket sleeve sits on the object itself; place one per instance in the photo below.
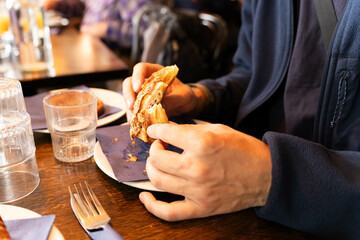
(314, 189)
(228, 90)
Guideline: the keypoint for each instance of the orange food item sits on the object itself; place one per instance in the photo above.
(4, 234)
(100, 106)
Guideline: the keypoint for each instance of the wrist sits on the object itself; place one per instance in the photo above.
(266, 177)
(202, 99)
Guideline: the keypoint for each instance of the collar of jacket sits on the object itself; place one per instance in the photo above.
(272, 33)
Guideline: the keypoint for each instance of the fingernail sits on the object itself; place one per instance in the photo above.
(128, 103)
(136, 87)
(149, 130)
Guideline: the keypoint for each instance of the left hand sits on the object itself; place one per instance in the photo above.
(220, 171)
(179, 98)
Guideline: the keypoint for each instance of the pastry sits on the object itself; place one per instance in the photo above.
(147, 107)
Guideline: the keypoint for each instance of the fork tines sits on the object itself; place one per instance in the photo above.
(90, 214)
(88, 203)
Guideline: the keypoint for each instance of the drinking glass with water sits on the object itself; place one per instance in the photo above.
(71, 118)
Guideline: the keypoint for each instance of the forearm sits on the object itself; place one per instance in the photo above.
(313, 189)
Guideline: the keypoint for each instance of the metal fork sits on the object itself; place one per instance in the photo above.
(87, 208)
(91, 215)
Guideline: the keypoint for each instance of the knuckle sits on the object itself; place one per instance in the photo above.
(200, 172)
(156, 181)
(206, 142)
(220, 126)
(185, 164)
(151, 158)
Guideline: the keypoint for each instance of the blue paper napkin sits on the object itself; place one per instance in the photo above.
(34, 106)
(31, 228)
(118, 148)
(107, 233)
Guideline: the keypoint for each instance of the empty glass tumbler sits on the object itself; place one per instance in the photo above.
(18, 168)
(11, 96)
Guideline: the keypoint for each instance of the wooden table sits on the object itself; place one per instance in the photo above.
(128, 215)
(78, 59)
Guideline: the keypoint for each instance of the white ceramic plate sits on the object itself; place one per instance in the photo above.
(109, 98)
(9, 212)
(104, 165)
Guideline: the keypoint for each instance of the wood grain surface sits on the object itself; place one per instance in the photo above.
(128, 216)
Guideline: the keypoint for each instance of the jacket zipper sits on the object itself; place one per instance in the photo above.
(341, 98)
(322, 116)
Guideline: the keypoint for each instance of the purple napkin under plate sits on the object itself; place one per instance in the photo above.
(30, 229)
(34, 106)
(116, 144)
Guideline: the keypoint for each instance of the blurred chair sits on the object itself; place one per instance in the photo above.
(158, 21)
(167, 32)
(218, 34)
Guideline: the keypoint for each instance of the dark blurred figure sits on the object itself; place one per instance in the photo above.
(109, 20)
(68, 8)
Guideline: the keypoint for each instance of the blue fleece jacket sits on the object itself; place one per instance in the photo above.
(315, 184)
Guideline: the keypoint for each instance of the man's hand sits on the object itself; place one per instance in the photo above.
(179, 98)
(220, 171)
